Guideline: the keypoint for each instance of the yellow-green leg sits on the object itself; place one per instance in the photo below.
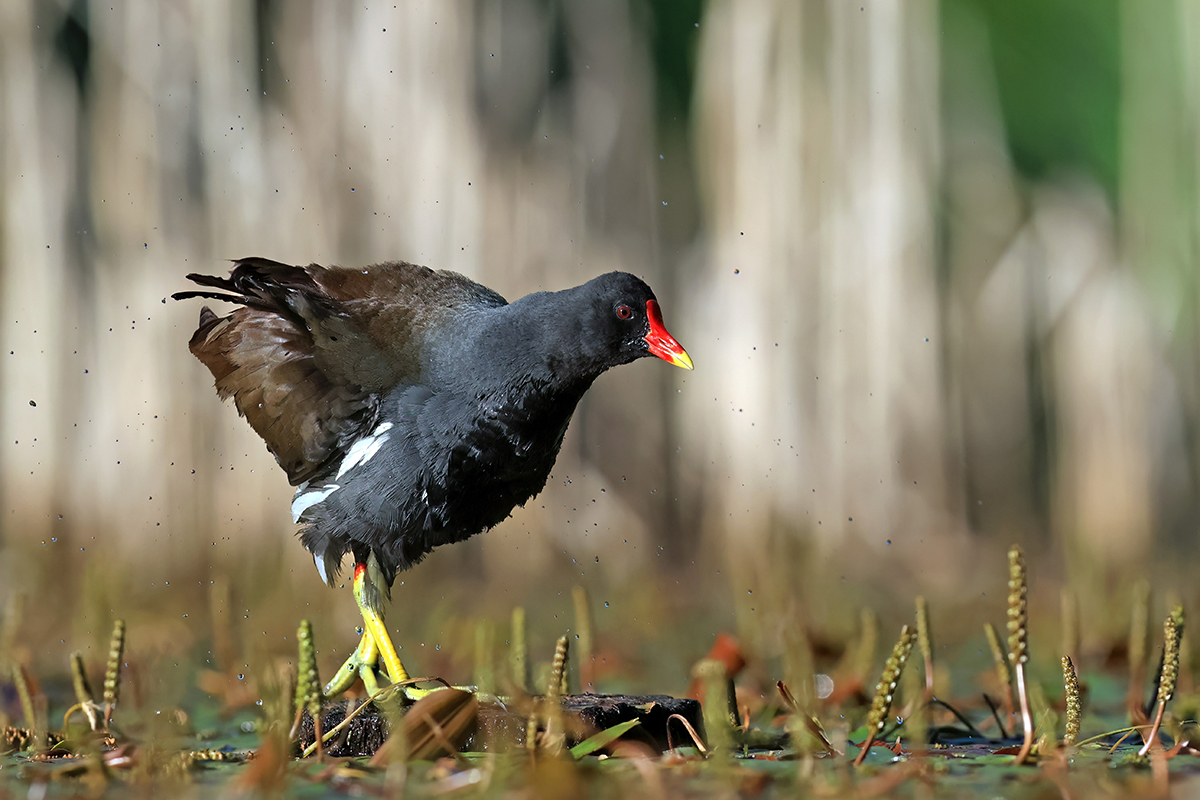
(375, 643)
(373, 621)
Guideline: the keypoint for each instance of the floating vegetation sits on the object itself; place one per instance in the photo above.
(424, 737)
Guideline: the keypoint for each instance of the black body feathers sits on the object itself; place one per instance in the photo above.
(410, 407)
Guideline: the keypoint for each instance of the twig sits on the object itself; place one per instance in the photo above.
(691, 732)
(809, 723)
(996, 715)
(971, 729)
(336, 729)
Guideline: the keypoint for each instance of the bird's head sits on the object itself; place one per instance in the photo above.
(623, 322)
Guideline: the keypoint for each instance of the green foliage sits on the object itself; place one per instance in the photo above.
(1057, 72)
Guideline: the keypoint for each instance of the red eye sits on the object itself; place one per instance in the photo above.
(624, 312)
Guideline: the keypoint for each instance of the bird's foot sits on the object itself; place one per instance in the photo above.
(361, 664)
(364, 664)
(375, 649)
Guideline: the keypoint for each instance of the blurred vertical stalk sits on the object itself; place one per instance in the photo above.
(518, 654)
(1159, 208)
(716, 704)
(1070, 623)
(1139, 640)
(14, 612)
(583, 647)
(485, 656)
(218, 605)
(925, 641)
(1003, 674)
(25, 697)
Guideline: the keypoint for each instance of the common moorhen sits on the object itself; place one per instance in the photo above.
(410, 407)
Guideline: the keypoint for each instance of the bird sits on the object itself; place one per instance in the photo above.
(410, 407)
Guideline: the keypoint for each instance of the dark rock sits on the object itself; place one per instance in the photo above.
(365, 734)
(502, 726)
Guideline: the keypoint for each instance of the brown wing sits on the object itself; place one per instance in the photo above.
(370, 330)
(265, 363)
(311, 348)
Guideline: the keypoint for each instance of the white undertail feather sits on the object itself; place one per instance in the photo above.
(306, 499)
(361, 451)
(321, 570)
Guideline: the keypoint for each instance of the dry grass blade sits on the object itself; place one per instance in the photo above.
(434, 726)
(687, 726)
(1003, 674)
(380, 694)
(810, 723)
(84, 699)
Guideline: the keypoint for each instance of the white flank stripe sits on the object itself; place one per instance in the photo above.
(320, 562)
(361, 451)
(305, 500)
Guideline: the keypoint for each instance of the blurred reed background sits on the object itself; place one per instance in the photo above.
(936, 264)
